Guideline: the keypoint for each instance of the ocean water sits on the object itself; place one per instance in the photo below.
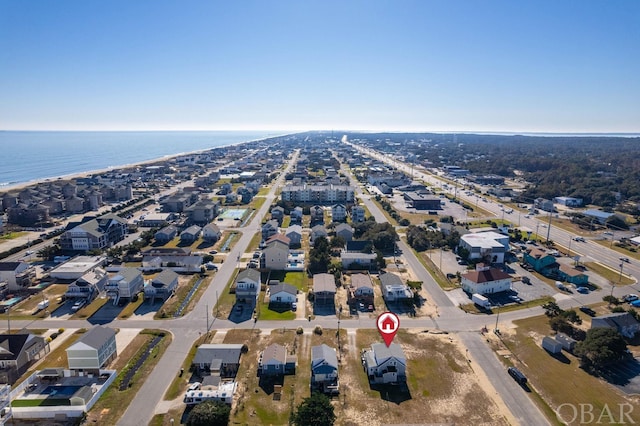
(32, 156)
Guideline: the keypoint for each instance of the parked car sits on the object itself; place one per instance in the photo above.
(294, 306)
(78, 305)
(517, 375)
(194, 386)
(630, 298)
(583, 290)
(636, 303)
(587, 310)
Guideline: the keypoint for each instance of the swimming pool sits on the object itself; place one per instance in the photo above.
(60, 391)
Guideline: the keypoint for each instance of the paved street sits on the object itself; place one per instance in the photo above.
(448, 318)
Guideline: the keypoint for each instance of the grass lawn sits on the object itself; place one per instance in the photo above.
(12, 235)
(612, 275)
(264, 191)
(131, 307)
(173, 303)
(473, 309)
(555, 381)
(286, 221)
(29, 306)
(114, 402)
(297, 279)
(226, 300)
(257, 202)
(266, 314)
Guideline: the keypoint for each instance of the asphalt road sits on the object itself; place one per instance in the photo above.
(185, 330)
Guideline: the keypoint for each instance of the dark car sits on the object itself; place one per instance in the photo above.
(587, 310)
(517, 375)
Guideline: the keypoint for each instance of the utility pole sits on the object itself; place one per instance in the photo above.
(549, 227)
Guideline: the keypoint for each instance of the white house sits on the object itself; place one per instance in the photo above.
(338, 213)
(393, 289)
(490, 246)
(126, 283)
(94, 350)
(17, 275)
(385, 365)
(211, 232)
(247, 286)
(485, 280)
(282, 293)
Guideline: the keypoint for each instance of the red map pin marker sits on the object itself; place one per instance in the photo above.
(388, 325)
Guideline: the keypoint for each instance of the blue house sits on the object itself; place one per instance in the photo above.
(541, 261)
(573, 275)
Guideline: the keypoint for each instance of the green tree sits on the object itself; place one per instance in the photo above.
(315, 410)
(209, 413)
(551, 309)
(602, 346)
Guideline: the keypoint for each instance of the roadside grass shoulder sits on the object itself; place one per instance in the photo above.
(114, 402)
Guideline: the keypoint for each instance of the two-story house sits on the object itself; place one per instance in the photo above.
(124, 284)
(247, 286)
(94, 234)
(18, 352)
(385, 365)
(93, 351)
(17, 275)
(324, 369)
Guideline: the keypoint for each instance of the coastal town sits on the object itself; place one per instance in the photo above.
(253, 275)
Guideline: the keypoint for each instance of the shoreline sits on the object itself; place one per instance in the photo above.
(6, 189)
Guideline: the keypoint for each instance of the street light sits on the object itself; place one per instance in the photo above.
(620, 277)
(338, 334)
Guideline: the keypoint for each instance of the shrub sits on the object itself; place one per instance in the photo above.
(60, 330)
(318, 330)
(299, 330)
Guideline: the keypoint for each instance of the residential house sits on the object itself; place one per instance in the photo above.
(221, 359)
(274, 361)
(278, 237)
(317, 214)
(324, 289)
(485, 280)
(318, 231)
(156, 220)
(541, 261)
(162, 286)
(18, 352)
(94, 234)
(203, 211)
(166, 234)
(345, 231)
(277, 213)
(359, 246)
(88, 286)
(324, 369)
(247, 286)
(385, 365)
(362, 289)
(275, 256)
(17, 275)
(190, 234)
(357, 214)
(572, 275)
(178, 203)
(269, 229)
(623, 322)
(93, 351)
(294, 233)
(211, 233)
(338, 213)
(358, 261)
(282, 294)
(487, 246)
(393, 289)
(296, 215)
(126, 283)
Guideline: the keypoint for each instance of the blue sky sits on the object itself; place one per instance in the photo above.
(538, 66)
